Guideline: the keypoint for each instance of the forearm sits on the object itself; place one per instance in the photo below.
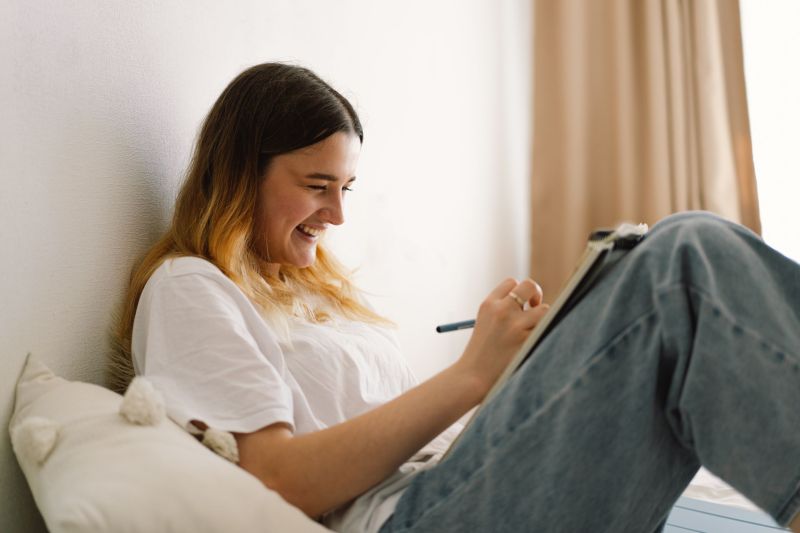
(322, 470)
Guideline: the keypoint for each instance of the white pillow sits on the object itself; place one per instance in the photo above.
(90, 469)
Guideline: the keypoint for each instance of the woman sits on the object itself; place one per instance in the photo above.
(685, 353)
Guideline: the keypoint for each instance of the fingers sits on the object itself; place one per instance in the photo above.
(528, 291)
(512, 296)
(502, 290)
(538, 295)
(534, 315)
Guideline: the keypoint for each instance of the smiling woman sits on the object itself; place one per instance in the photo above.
(302, 194)
(262, 187)
(685, 352)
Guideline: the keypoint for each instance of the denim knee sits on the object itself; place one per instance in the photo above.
(701, 229)
(691, 221)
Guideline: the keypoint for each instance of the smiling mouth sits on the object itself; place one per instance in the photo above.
(309, 231)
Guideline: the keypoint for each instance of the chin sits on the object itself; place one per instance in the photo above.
(304, 263)
(307, 260)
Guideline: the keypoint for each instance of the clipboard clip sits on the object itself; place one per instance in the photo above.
(624, 237)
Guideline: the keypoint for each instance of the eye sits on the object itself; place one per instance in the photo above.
(325, 188)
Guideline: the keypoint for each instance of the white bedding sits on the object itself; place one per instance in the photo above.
(708, 487)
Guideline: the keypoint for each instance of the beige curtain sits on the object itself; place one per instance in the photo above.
(639, 112)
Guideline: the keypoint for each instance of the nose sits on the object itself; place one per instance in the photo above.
(333, 211)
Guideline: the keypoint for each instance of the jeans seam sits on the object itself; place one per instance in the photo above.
(793, 501)
(716, 307)
(595, 359)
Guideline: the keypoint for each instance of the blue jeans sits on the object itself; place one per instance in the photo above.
(685, 353)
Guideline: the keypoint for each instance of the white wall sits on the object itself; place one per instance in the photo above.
(102, 100)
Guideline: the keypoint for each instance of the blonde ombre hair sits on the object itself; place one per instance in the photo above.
(267, 110)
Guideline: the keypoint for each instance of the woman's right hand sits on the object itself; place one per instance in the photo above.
(505, 318)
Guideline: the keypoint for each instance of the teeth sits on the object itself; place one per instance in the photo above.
(311, 231)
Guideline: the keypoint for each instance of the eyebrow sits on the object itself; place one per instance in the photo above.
(327, 177)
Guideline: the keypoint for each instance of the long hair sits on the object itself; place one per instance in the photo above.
(267, 110)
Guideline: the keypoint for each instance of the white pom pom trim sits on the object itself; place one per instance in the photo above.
(34, 438)
(142, 404)
(222, 443)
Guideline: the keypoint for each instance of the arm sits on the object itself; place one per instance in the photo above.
(319, 471)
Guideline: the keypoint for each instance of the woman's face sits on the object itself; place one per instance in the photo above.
(301, 196)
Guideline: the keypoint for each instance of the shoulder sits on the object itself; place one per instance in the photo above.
(191, 291)
(194, 277)
(186, 268)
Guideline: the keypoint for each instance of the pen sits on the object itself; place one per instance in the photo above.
(464, 324)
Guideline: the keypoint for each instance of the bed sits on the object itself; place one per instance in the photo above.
(710, 505)
(96, 461)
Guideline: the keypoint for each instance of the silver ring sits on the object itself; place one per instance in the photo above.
(517, 299)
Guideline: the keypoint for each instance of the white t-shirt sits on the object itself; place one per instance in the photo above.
(205, 347)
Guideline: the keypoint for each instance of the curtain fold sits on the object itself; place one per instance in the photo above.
(639, 111)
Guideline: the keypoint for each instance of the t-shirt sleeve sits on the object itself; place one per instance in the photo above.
(193, 341)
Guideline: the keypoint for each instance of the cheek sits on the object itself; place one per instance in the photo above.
(282, 215)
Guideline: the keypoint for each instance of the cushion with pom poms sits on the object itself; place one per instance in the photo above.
(95, 462)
